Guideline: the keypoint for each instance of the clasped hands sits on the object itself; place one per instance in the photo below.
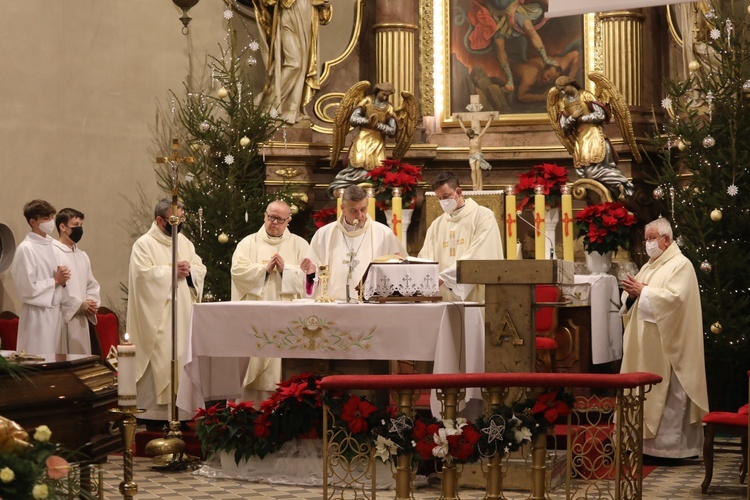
(183, 269)
(632, 287)
(276, 262)
(62, 275)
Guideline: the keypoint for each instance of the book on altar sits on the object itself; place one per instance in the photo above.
(397, 259)
(396, 276)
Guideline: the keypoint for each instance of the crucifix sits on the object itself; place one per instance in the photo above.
(352, 261)
(172, 441)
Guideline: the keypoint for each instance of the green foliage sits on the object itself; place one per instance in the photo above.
(223, 189)
(706, 149)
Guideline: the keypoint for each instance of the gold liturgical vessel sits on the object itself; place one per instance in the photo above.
(323, 275)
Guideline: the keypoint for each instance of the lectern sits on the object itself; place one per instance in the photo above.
(509, 306)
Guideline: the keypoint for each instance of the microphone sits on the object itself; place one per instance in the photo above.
(355, 222)
(551, 243)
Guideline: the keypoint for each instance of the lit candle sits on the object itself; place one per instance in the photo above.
(511, 226)
(567, 220)
(126, 374)
(339, 197)
(396, 213)
(539, 236)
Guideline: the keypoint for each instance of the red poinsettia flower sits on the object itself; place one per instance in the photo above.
(548, 175)
(394, 173)
(296, 390)
(550, 406)
(262, 427)
(461, 446)
(605, 227)
(355, 413)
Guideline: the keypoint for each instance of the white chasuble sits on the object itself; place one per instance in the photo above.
(470, 233)
(149, 318)
(668, 340)
(348, 253)
(250, 281)
(40, 322)
(82, 287)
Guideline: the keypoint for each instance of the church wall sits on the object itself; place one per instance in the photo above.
(81, 81)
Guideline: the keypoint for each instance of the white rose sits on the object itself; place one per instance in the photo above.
(40, 490)
(42, 434)
(7, 475)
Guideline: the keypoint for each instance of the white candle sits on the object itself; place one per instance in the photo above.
(126, 374)
(539, 236)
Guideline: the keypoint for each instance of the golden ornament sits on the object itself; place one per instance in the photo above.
(716, 328)
(293, 209)
(694, 66)
(223, 238)
(716, 215)
(222, 92)
(244, 141)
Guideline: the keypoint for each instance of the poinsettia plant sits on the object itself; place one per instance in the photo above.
(391, 174)
(548, 175)
(605, 227)
(320, 218)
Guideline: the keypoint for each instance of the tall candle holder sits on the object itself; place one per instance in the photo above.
(128, 487)
(323, 275)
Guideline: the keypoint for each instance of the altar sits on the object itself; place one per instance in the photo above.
(223, 335)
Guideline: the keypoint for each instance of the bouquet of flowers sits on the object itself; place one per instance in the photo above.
(394, 173)
(605, 227)
(548, 175)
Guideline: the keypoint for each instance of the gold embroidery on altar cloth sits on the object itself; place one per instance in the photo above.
(314, 333)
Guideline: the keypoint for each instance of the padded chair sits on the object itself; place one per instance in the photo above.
(107, 332)
(724, 423)
(8, 331)
(545, 323)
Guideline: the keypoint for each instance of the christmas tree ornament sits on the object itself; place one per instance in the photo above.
(204, 126)
(732, 190)
(716, 328)
(694, 66)
(229, 159)
(244, 141)
(658, 193)
(679, 241)
(222, 92)
(706, 266)
(716, 215)
(200, 221)
(223, 238)
(681, 145)
(196, 146)
(208, 297)
(293, 209)
(252, 61)
(746, 86)
(708, 142)
(247, 216)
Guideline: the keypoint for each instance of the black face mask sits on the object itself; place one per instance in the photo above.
(76, 233)
(168, 228)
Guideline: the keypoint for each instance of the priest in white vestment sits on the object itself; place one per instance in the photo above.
(83, 289)
(664, 335)
(41, 283)
(465, 231)
(149, 317)
(348, 245)
(265, 266)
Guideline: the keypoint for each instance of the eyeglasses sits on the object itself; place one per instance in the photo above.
(653, 239)
(277, 220)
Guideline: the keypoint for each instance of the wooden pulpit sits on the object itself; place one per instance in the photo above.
(509, 306)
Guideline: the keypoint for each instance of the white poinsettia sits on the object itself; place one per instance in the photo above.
(42, 434)
(441, 441)
(450, 427)
(385, 448)
(523, 434)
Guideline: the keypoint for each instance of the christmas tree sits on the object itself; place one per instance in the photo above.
(222, 125)
(705, 190)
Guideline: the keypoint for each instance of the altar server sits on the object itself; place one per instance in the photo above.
(83, 289)
(41, 281)
(265, 266)
(348, 245)
(465, 231)
(663, 335)
(149, 317)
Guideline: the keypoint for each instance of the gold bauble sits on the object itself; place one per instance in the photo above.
(694, 66)
(293, 209)
(222, 92)
(244, 141)
(681, 145)
(716, 215)
(223, 238)
(716, 328)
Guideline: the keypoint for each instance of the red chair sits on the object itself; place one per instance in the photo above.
(107, 332)
(8, 331)
(726, 423)
(545, 324)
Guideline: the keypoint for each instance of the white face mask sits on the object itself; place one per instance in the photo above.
(652, 249)
(48, 227)
(448, 205)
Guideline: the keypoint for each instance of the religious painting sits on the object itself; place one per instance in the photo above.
(509, 54)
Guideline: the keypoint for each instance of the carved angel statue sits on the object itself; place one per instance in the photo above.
(578, 116)
(376, 119)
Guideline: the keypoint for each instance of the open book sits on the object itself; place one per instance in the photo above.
(397, 259)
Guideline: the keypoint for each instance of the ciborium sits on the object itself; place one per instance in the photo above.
(323, 275)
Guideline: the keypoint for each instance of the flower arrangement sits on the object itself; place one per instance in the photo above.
(394, 173)
(320, 218)
(605, 227)
(31, 470)
(549, 175)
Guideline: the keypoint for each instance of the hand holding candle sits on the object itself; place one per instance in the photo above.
(126, 391)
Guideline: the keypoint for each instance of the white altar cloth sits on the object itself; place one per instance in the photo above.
(407, 280)
(224, 334)
(606, 324)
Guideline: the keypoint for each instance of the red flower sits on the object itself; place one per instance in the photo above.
(461, 446)
(550, 406)
(394, 173)
(604, 227)
(296, 390)
(548, 175)
(355, 413)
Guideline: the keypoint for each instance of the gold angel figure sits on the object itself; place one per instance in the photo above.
(578, 116)
(376, 120)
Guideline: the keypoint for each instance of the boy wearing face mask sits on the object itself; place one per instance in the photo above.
(41, 283)
(465, 231)
(83, 289)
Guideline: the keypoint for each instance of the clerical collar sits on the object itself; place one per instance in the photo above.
(349, 227)
(274, 237)
(457, 210)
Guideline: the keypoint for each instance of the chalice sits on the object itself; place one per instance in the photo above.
(323, 275)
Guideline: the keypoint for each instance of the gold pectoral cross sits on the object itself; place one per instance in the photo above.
(352, 262)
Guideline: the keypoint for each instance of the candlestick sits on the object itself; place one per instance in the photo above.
(539, 236)
(567, 220)
(511, 226)
(370, 200)
(396, 213)
(339, 195)
(126, 386)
